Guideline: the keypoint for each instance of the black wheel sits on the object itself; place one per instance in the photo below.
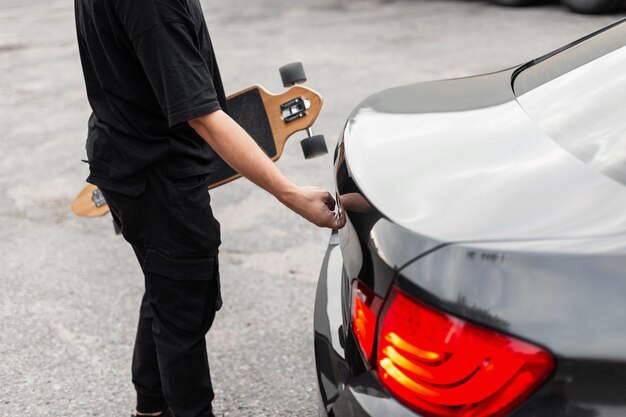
(292, 74)
(594, 6)
(514, 3)
(314, 146)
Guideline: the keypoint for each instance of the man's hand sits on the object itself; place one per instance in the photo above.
(315, 205)
(241, 152)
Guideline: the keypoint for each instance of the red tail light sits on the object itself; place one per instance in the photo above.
(446, 367)
(365, 307)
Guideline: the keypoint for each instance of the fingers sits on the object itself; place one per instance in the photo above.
(330, 202)
(320, 215)
(340, 222)
(328, 199)
(331, 221)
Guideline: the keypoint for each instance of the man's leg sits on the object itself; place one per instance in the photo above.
(146, 376)
(127, 215)
(183, 309)
(175, 236)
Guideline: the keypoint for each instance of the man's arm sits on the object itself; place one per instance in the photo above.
(240, 151)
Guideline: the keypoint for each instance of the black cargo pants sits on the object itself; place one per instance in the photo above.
(172, 230)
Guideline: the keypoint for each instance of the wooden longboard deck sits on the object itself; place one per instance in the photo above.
(84, 204)
(269, 118)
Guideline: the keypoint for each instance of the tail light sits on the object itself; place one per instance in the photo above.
(446, 367)
(365, 308)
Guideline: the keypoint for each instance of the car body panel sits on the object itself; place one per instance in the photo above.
(578, 387)
(451, 175)
(455, 195)
(346, 389)
(568, 301)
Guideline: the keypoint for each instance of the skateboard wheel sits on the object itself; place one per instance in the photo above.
(292, 74)
(314, 146)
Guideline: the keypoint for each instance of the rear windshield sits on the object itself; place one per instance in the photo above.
(578, 97)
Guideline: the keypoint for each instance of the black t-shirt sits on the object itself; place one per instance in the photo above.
(149, 67)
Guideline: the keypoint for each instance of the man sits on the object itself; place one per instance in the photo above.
(159, 117)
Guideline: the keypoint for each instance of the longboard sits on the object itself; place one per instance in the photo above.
(270, 119)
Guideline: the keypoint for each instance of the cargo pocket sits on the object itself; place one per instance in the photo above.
(195, 228)
(183, 291)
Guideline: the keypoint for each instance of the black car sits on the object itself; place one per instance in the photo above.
(482, 270)
(579, 6)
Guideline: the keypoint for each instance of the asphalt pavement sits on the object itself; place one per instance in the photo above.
(70, 288)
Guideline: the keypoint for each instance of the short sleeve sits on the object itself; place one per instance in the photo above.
(177, 71)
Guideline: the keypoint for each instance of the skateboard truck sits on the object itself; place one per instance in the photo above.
(295, 109)
(97, 198)
(313, 145)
